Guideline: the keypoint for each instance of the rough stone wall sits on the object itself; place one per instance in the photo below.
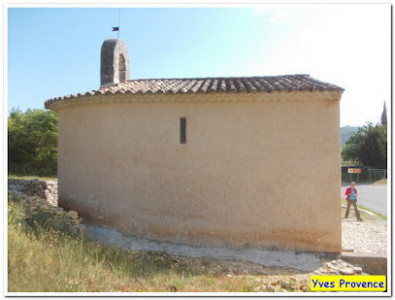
(47, 190)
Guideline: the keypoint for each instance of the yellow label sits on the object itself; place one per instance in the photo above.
(355, 283)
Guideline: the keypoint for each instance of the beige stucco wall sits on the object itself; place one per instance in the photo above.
(262, 171)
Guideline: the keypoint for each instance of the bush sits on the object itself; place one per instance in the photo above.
(32, 142)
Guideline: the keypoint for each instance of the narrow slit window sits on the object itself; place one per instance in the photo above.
(183, 130)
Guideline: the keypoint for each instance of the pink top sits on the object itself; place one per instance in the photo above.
(348, 192)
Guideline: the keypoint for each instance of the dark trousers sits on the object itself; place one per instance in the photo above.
(353, 203)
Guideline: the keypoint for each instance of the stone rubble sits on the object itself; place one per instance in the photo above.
(338, 267)
(72, 214)
(41, 196)
(47, 190)
(37, 205)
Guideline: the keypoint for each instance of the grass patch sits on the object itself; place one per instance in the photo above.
(363, 214)
(382, 181)
(45, 255)
(374, 212)
(30, 177)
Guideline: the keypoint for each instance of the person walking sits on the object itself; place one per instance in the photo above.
(352, 193)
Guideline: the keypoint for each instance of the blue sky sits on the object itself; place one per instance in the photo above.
(56, 51)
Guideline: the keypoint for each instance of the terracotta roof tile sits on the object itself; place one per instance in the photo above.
(210, 85)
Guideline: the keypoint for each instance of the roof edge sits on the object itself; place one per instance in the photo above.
(200, 97)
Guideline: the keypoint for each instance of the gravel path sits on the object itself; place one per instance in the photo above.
(367, 237)
(306, 262)
(235, 261)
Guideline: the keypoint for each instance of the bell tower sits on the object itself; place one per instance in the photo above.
(114, 65)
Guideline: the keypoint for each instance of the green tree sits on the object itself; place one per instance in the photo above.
(32, 142)
(346, 132)
(368, 146)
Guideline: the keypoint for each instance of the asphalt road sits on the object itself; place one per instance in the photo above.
(372, 196)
